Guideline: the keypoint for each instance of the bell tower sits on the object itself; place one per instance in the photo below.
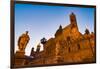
(73, 20)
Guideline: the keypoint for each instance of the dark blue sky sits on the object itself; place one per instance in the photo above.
(43, 21)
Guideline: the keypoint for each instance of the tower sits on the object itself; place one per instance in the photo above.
(73, 20)
(32, 52)
(38, 48)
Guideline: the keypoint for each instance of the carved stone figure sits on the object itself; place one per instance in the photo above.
(23, 41)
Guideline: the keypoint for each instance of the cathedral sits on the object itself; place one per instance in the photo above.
(69, 46)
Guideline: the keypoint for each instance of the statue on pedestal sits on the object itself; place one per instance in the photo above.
(20, 57)
(23, 41)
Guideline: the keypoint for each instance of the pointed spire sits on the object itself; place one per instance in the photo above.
(72, 13)
(60, 27)
(32, 52)
(87, 30)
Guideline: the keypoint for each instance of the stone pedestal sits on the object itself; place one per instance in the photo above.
(20, 53)
(19, 58)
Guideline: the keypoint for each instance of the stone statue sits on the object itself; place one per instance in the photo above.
(23, 41)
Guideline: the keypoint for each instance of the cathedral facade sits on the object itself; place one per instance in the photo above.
(68, 46)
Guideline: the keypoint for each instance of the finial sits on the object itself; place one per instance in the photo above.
(72, 13)
(26, 32)
(60, 27)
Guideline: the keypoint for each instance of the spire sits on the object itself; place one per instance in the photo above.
(60, 27)
(59, 31)
(87, 31)
(32, 52)
(72, 14)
